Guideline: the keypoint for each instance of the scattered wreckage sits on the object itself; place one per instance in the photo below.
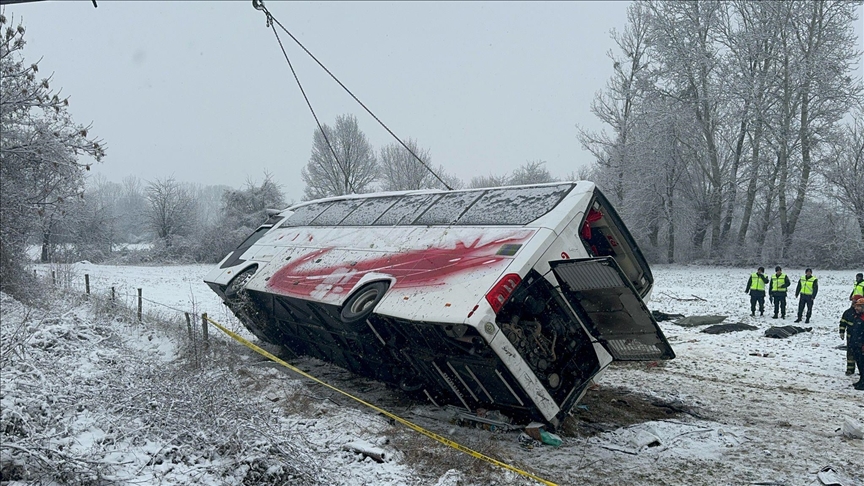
(504, 298)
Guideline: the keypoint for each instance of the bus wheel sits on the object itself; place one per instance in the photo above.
(361, 303)
(232, 292)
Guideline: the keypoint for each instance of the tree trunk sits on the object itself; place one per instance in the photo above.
(752, 185)
(766, 216)
(654, 232)
(733, 178)
(806, 165)
(670, 228)
(46, 245)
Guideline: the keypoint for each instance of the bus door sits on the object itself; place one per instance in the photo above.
(610, 308)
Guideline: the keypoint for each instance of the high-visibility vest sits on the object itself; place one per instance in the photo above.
(777, 283)
(807, 285)
(756, 282)
(858, 289)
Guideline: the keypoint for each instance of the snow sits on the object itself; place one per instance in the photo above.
(98, 385)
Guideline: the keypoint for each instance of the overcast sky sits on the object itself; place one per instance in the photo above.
(200, 90)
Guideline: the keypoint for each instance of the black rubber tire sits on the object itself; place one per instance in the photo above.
(362, 302)
(238, 284)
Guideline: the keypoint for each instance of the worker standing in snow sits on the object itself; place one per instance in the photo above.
(756, 289)
(858, 289)
(847, 320)
(856, 341)
(779, 285)
(808, 287)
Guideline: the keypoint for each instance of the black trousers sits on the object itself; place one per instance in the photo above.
(805, 301)
(780, 303)
(757, 296)
(858, 354)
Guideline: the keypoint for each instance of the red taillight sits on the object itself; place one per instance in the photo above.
(502, 291)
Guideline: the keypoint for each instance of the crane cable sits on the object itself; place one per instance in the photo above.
(259, 5)
(271, 22)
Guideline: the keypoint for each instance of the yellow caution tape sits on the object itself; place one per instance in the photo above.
(410, 425)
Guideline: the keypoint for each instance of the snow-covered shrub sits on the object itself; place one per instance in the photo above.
(87, 399)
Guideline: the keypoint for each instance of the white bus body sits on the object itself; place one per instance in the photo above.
(508, 298)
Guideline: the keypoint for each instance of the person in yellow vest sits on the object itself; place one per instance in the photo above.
(847, 320)
(858, 289)
(756, 289)
(779, 284)
(808, 287)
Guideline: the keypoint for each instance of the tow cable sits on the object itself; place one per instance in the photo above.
(272, 22)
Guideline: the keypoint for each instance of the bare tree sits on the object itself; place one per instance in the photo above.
(246, 207)
(488, 181)
(617, 106)
(242, 210)
(171, 209)
(39, 149)
(352, 170)
(130, 210)
(822, 44)
(843, 169)
(531, 172)
(401, 171)
(87, 229)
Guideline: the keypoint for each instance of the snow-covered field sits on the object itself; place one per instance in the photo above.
(751, 410)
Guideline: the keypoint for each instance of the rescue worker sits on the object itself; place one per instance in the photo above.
(779, 284)
(756, 289)
(856, 341)
(858, 289)
(846, 323)
(808, 287)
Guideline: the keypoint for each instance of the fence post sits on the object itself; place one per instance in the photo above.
(204, 332)
(87, 283)
(139, 305)
(189, 325)
(53, 278)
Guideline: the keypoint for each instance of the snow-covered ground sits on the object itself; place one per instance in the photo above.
(747, 409)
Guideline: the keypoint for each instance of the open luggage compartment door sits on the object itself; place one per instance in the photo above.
(609, 307)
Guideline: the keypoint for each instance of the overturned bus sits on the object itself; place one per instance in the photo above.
(507, 298)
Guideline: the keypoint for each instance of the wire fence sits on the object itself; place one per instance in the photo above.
(131, 303)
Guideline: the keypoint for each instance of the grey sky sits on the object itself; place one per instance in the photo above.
(200, 90)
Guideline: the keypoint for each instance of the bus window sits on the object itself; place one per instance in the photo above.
(406, 210)
(234, 257)
(305, 214)
(448, 209)
(369, 211)
(514, 206)
(336, 212)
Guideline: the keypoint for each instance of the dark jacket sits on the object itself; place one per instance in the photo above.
(815, 286)
(856, 332)
(847, 320)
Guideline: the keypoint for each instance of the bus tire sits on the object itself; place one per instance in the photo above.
(238, 283)
(363, 302)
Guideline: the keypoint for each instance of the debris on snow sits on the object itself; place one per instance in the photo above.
(693, 321)
(732, 327)
(365, 449)
(783, 332)
(829, 476)
(851, 428)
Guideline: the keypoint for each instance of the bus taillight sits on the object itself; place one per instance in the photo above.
(502, 291)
